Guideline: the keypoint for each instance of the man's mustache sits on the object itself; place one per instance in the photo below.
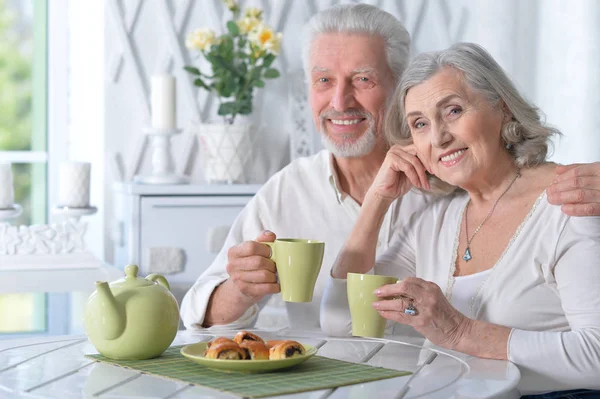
(332, 114)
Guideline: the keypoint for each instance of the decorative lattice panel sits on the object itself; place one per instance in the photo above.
(147, 37)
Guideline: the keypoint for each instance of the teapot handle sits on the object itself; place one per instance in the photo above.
(159, 279)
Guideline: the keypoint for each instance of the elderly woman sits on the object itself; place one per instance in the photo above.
(501, 273)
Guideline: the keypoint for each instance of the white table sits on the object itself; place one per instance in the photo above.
(56, 368)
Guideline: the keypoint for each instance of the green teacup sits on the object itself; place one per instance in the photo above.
(366, 321)
(298, 263)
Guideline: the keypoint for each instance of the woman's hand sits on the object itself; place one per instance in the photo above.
(400, 171)
(435, 317)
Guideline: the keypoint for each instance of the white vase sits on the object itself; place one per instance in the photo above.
(226, 150)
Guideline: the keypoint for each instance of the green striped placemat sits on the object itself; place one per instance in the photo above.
(314, 374)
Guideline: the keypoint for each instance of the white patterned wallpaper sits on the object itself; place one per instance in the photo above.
(549, 47)
(146, 37)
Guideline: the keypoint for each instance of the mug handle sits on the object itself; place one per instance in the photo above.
(272, 246)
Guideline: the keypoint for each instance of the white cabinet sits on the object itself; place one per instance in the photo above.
(175, 230)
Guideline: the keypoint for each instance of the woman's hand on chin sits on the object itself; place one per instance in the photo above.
(400, 171)
(434, 316)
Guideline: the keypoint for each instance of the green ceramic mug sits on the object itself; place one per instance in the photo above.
(366, 321)
(298, 263)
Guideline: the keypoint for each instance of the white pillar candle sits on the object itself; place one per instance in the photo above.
(163, 102)
(7, 194)
(74, 184)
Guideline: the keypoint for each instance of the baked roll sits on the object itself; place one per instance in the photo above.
(274, 342)
(226, 351)
(247, 336)
(286, 350)
(220, 340)
(255, 350)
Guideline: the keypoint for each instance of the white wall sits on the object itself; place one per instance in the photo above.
(549, 47)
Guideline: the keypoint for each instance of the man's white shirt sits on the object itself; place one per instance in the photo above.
(303, 200)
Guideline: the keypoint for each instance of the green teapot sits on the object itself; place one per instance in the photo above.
(132, 318)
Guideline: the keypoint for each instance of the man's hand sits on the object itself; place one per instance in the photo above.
(250, 269)
(577, 188)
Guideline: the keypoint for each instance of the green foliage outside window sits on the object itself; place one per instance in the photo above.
(16, 94)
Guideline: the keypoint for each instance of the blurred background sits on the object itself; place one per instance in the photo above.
(75, 84)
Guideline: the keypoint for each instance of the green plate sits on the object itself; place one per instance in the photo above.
(195, 352)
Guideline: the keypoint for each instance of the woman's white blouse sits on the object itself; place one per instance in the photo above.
(464, 290)
(545, 286)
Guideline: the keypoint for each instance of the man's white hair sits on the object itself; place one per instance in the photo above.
(361, 19)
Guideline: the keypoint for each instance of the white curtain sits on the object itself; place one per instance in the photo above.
(568, 75)
(551, 49)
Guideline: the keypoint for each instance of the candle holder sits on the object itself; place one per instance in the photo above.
(163, 166)
(70, 212)
(10, 212)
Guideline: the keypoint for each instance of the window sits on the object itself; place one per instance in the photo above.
(23, 137)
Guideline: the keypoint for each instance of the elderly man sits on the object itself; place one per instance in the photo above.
(354, 56)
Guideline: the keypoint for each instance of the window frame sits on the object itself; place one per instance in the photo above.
(50, 105)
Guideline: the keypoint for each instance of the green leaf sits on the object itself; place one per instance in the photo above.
(233, 28)
(268, 60)
(228, 87)
(259, 83)
(200, 83)
(255, 73)
(219, 61)
(227, 108)
(192, 70)
(271, 73)
(245, 107)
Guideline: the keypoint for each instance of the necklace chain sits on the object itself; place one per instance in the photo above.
(467, 256)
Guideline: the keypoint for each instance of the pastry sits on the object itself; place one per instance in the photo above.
(255, 350)
(216, 341)
(286, 350)
(219, 340)
(226, 351)
(247, 336)
(274, 342)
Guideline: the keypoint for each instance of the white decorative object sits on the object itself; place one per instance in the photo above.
(163, 166)
(303, 138)
(10, 212)
(163, 102)
(52, 246)
(75, 213)
(74, 184)
(166, 260)
(53, 239)
(226, 150)
(7, 194)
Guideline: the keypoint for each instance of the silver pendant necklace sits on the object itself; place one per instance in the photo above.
(467, 256)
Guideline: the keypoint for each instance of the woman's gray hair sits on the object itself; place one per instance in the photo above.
(526, 136)
(361, 19)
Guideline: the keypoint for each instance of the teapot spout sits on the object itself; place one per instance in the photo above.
(113, 321)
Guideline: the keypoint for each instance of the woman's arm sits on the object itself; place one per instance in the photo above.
(573, 357)
(399, 172)
(358, 253)
(557, 359)
(439, 321)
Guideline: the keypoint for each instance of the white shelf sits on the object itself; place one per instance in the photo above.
(54, 279)
(186, 189)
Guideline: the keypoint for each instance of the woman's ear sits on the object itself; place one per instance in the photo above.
(507, 116)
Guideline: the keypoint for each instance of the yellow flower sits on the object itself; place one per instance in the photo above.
(253, 12)
(247, 24)
(201, 39)
(264, 37)
(230, 4)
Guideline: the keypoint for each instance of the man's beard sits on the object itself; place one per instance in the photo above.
(349, 148)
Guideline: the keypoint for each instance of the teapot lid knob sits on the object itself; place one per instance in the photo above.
(131, 271)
